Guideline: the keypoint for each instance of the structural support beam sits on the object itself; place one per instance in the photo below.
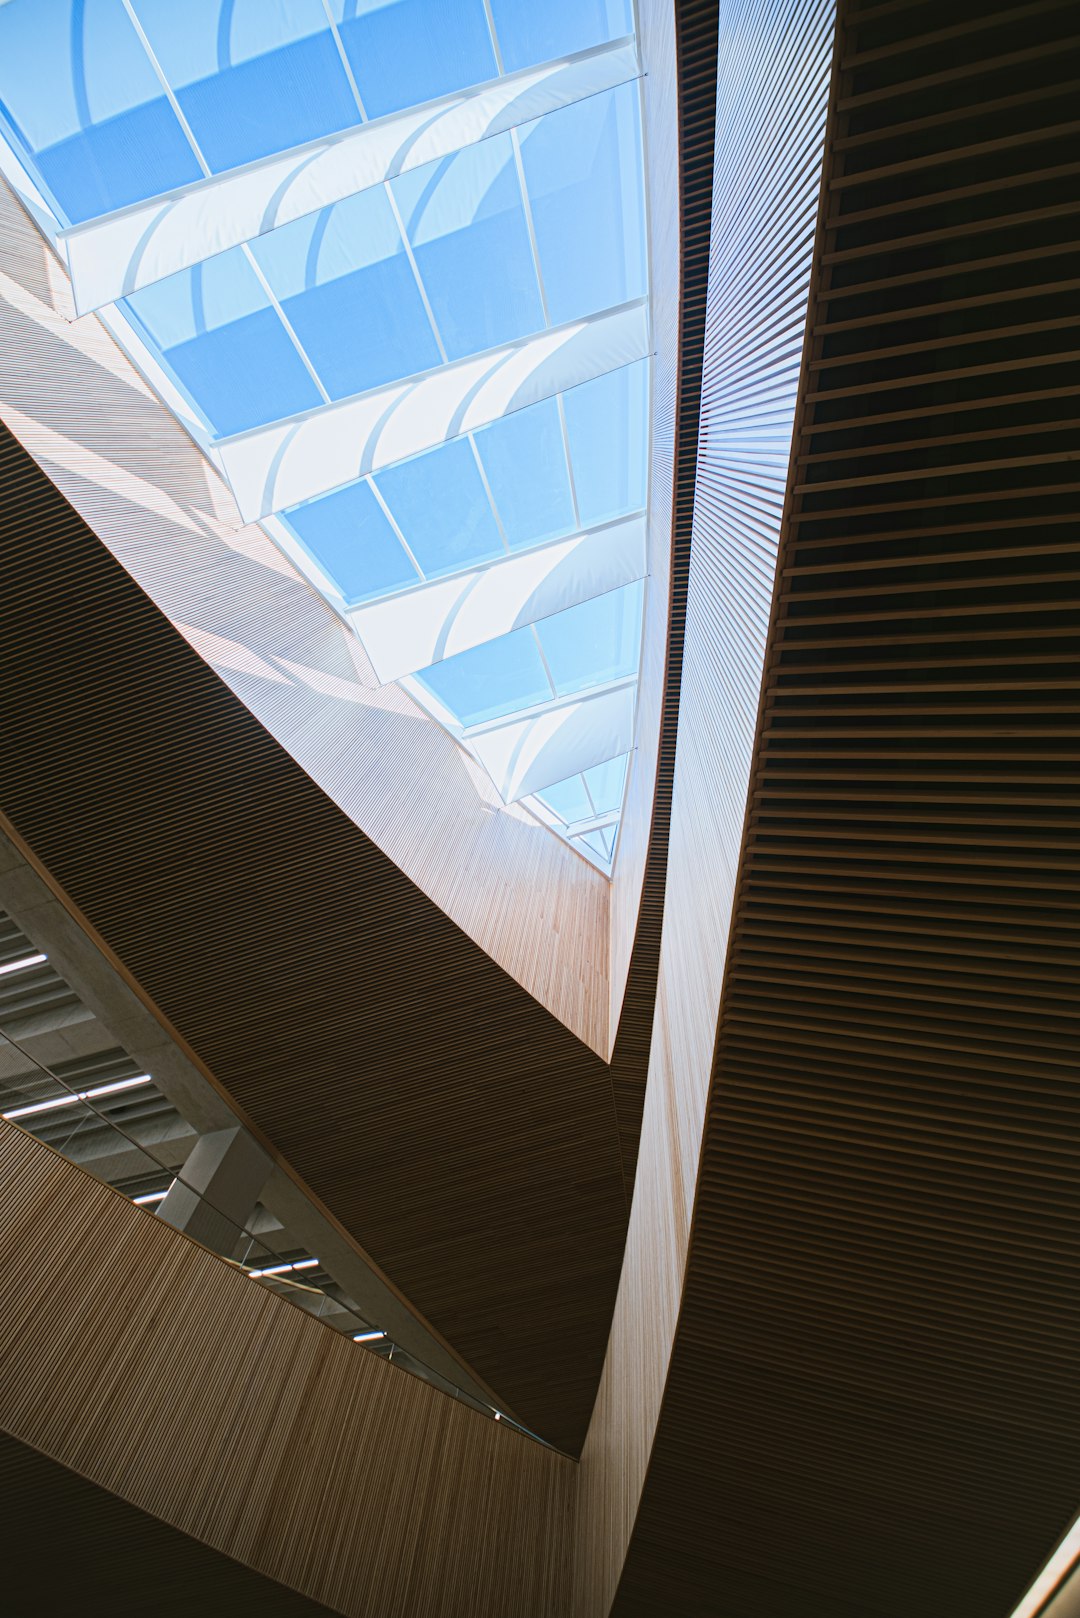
(416, 628)
(223, 1178)
(528, 754)
(110, 257)
(277, 466)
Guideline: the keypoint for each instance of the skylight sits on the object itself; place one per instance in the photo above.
(388, 261)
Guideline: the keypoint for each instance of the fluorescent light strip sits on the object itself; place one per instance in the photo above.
(17, 966)
(280, 1269)
(82, 1095)
(150, 1196)
(367, 1336)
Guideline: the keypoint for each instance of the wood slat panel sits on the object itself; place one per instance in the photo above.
(769, 96)
(459, 1108)
(462, 1133)
(117, 453)
(873, 1406)
(165, 1378)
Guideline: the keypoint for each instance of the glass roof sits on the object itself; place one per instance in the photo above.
(499, 573)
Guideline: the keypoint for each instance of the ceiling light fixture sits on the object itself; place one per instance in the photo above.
(367, 1336)
(81, 1095)
(17, 966)
(280, 1269)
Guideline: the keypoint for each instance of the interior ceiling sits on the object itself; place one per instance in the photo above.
(456, 1128)
(872, 1409)
(117, 1561)
(479, 1152)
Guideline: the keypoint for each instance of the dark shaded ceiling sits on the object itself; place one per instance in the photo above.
(873, 1408)
(72, 1547)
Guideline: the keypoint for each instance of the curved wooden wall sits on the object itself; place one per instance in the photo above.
(774, 64)
(155, 1371)
(872, 1408)
(458, 1131)
(841, 1375)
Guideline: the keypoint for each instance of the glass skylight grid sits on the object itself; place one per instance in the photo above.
(499, 242)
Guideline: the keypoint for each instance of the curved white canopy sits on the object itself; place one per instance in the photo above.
(418, 628)
(116, 254)
(286, 462)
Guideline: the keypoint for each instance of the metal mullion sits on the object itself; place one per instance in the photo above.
(494, 36)
(189, 135)
(530, 225)
(420, 287)
(245, 248)
(543, 659)
(346, 64)
(488, 491)
(392, 520)
(170, 94)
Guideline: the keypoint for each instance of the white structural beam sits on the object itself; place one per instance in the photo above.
(416, 628)
(277, 466)
(526, 755)
(582, 828)
(110, 257)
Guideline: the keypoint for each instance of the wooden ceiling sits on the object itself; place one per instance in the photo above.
(480, 1153)
(873, 1408)
(463, 1135)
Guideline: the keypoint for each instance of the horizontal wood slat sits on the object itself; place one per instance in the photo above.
(872, 1408)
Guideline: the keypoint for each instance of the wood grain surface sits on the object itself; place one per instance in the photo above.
(769, 89)
(453, 1125)
(75, 400)
(158, 1373)
(872, 1408)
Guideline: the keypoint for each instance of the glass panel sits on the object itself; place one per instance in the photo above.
(607, 425)
(529, 32)
(439, 502)
(568, 799)
(583, 173)
(595, 641)
(525, 463)
(348, 534)
(491, 680)
(251, 76)
(345, 283)
(466, 222)
(406, 51)
(80, 97)
(605, 783)
(601, 842)
(220, 336)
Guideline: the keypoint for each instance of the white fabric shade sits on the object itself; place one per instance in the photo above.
(526, 755)
(419, 627)
(277, 466)
(118, 253)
